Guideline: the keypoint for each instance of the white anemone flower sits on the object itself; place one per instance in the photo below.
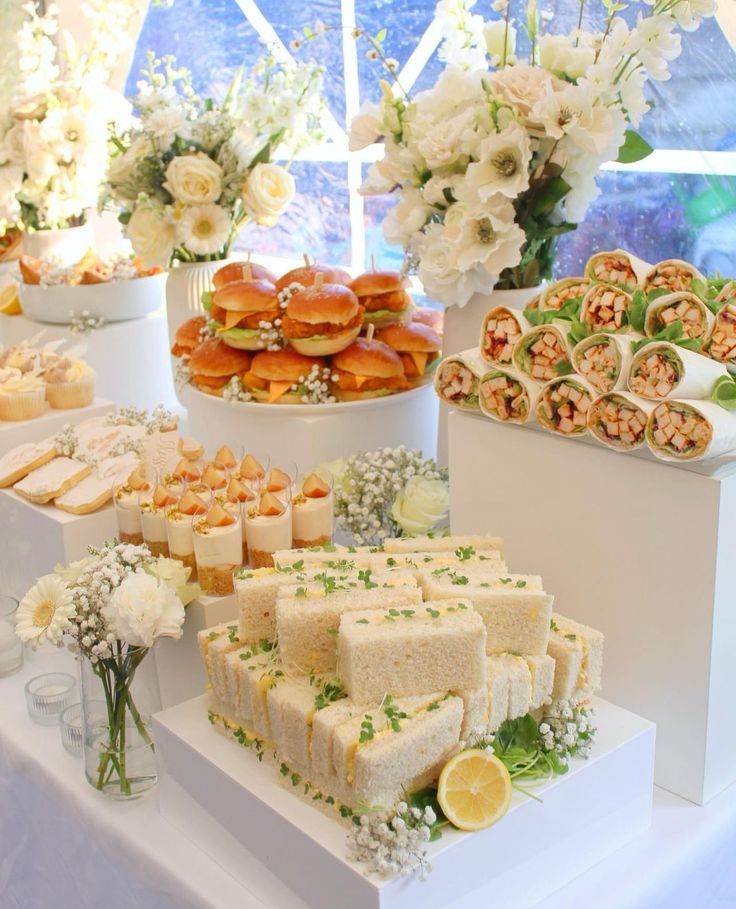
(204, 229)
(503, 166)
(659, 44)
(45, 611)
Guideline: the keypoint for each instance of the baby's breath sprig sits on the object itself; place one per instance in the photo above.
(85, 322)
(394, 842)
(234, 391)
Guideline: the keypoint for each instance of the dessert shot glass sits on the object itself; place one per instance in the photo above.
(11, 649)
(48, 695)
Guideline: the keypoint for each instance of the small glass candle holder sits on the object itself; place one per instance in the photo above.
(71, 729)
(11, 649)
(48, 695)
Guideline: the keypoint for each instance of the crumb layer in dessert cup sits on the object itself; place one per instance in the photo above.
(22, 405)
(260, 559)
(128, 516)
(153, 525)
(68, 395)
(216, 581)
(245, 553)
(188, 561)
(158, 548)
(307, 544)
(136, 539)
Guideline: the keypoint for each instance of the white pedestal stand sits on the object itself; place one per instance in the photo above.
(322, 432)
(638, 548)
(242, 813)
(48, 424)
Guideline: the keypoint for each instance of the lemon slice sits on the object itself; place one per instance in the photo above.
(474, 790)
(9, 302)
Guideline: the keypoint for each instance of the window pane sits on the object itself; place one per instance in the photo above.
(317, 222)
(658, 216)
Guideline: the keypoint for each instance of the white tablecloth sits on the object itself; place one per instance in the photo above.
(64, 846)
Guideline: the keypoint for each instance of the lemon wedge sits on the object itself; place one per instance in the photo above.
(9, 302)
(474, 790)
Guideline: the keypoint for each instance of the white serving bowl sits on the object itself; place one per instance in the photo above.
(115, 301)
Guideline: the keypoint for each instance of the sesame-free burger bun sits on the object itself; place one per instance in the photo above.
(213, 363)
(379, 282)
(322, 321)
(306, 275)
(368, 369)
(279, 366)
(246, 296)
(427, 315)
(240, 309)
(412, 337)
(187, 336)
(242, 271)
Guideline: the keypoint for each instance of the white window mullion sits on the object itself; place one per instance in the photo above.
(419, 58)
(352, 106)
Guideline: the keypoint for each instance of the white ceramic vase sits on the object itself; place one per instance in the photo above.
(68, 244)
(462, 323)
(186, 283)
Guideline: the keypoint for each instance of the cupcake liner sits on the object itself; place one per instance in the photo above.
(67, 395)
(22, 405)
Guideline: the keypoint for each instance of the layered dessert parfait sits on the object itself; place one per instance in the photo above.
(218, 548)
(126, 495)
(312, 513)
(281, 482)
(240, 493)
(267, 529)
(179, 532)
(153, 517)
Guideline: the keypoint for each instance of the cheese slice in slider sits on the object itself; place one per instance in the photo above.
(420, 360)
(277, 389)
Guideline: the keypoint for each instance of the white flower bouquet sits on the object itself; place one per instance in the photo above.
(500, 157)
(54, 135)
(388, 493)
(113, 605)
(190, 172)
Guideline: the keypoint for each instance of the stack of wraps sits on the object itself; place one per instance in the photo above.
(631, 353)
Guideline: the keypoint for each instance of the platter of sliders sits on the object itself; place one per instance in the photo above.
(116, 289)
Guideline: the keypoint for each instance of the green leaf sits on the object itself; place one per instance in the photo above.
(673, 333)
(427, 798)
(578, 332)
(556, 189)
(724, 393)
(639, 310)
(634, 148)
(381, 36)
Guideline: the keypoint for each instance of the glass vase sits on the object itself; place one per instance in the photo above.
(119, 696)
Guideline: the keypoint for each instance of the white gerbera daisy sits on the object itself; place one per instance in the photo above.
(44, 612)
(204, 229)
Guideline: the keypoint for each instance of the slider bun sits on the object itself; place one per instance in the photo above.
(282, 365)
(246, 296)
(426, 315)
(332, 303)
(237, 271)
(306, 275)
(325, 347)
(187, 335)
(216, 359)
(379, 282)
(412, 337)
(369, 358)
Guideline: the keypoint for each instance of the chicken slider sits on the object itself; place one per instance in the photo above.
(367, 369)
(239, 309)
(384, 296)
(322, 320)
(213, 363)
(306, 275)
(418, 346)
(275, 376)
(188, 336)
(242, 271)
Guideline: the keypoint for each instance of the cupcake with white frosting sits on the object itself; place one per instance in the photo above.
(22, 395)
(69, 384)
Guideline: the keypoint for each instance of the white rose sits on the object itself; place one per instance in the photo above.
(166, 123)
(267, 193)
(151, 236)
(561, 56)
(523, 86)
(143, 609)
(441, 278)
(194, 179)
(421, 505)
(175, 575)
(407, 217)
(366, 126)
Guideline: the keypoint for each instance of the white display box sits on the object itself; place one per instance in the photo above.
(181, 673)
(48, 424)
(311, 434)
(37, 537)
(237, 810)
(642, 550)
(131, 359)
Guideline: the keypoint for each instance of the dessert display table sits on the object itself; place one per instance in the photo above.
(640, 549)
(131, 852)
(320, 432)
(48, 424)
(130, 359)
(236, 809)
(37, 537)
